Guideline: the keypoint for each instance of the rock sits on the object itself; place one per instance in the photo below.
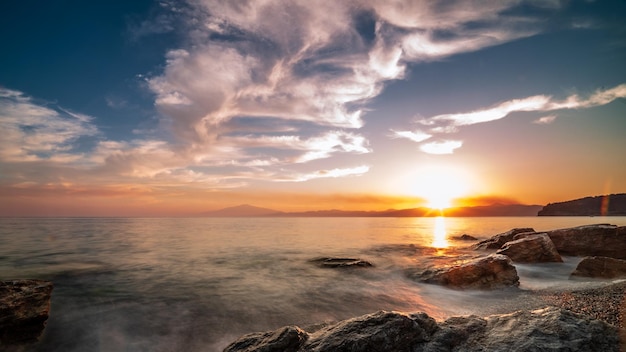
(465, 237)
(286, 339)
(381, 331)
(601, 267)
(494, 271)
(499, 240)
(548, 329)
(602, 240)
(341, 263)
(531, 249)
(24, 307)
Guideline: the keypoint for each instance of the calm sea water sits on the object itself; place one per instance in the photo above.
(196, 284)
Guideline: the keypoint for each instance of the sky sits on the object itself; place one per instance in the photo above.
(169, 108)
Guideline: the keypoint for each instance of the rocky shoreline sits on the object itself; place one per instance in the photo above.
(590, 318)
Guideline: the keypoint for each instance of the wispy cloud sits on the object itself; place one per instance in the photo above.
(32, 131)
(441, 147)
(542, 103)
(332, 173)
(311, 65)
(545, 120)
(450, 123)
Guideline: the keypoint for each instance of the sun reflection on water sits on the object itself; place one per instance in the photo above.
(439, 233)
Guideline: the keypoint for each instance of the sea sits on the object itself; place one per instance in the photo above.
(197, 284)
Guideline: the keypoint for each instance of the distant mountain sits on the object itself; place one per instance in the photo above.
(607, 205)
(244, 210)
(496, 210)
(490, 210)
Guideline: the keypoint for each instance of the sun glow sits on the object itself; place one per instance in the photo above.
(440, 185)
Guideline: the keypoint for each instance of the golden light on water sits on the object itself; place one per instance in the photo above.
(439, 233)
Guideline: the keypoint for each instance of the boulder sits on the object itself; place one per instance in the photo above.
(548, 329)
(603, 267)
(285, 339)
(499, 240)
(602, 240)
(341, 262)
(531, 249)
(381, 331)
(24, 307)
(493, 271)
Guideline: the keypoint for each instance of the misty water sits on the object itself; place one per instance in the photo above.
(196, 284)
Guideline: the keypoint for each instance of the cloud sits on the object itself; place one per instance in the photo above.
(313, 66)
(450, 123)
(32, 131)
(258, 87)
(541, 103)
(415, 136)
(333, 173)
(545, 120)
(443, 147)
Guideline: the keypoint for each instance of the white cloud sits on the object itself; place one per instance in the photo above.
(332, 173)
(415, 136)
(305, 63)
(443, 147)
(541, 103)
(545, 120)
(32, 131)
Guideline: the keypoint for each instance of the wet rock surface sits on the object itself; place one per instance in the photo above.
(24, 308)
(601, 267)
(592, 240)
(465, 237)
(499, 240)
(548, 329)
(493, 271)
(531, 249)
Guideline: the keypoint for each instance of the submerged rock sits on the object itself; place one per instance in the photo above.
(531, 249)
(601, 267)
(465, 237)
(24, 307)
(548, 329)
(591, 240)
(493, 271)
(341, 262)
(499, 240)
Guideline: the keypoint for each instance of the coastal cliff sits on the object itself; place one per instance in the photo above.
(607, 205)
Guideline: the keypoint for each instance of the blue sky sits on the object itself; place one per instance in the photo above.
(199, 104)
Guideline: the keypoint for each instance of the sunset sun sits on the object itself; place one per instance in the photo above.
(439, 186)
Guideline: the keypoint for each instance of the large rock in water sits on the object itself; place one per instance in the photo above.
(499, 240)
(493, 271)
(24, 307)
(531, 249)
(591, 240)
(601, 267)
(549, 329)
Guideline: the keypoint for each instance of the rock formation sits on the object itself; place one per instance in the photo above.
(601, 267)
(493, 271)
(549, 329)
(591, 240)
(499, 240)
(531, 249)
(24, 307)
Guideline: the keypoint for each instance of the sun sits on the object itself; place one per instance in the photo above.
(439, 186)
